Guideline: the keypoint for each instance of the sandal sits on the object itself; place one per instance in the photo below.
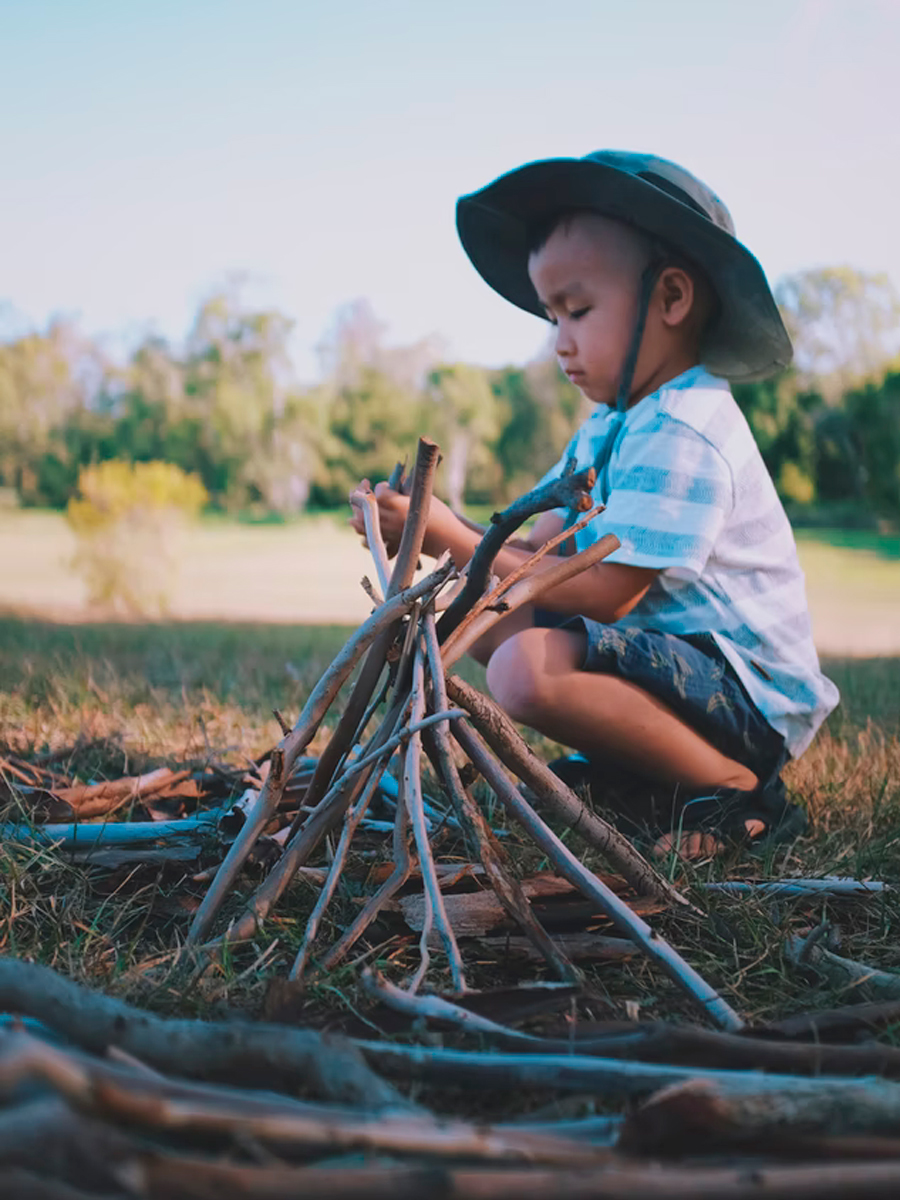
(643, 809)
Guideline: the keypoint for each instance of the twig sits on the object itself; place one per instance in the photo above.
(369, 506)
(404, 567)
(296, 742)
(412, 791)
(351, 822)
(507, 743)
(495, 595)
(273, 1055)
(478, 832)
(436, 1008)
(527, 591)
(628, 922)
(846, 972)
(570, 491)
(374, 905)
(782, 888)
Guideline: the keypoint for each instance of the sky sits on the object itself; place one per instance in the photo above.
(150, 150)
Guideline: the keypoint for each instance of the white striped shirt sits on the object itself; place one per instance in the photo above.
(689, 495)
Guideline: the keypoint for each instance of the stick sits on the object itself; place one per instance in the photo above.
(494, 597)
(351, 822)
(296, 742)
(369, 506)
(846, 972)
(608, 1077)
(857, 1108)
(507, 743)
(79, 836)
(436, 1008)
(427, 456)
(834, 886)
(527, 591)
(202, 1180)
(270, 1054)
(137, 1100)
(435, 911)
(628, 922)
(374, 905)
(478, 832)
(570, 491)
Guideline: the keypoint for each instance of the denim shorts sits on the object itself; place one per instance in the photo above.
(691, 675)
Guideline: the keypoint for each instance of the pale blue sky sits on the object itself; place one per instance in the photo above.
(151, 147)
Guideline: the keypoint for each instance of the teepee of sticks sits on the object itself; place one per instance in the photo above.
(405, 650)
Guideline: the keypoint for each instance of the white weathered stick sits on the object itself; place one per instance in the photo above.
(369, 506)
(436, 1008)
(571, 868)
(435, 911)
(772, 888)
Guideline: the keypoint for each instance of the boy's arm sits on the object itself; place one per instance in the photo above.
(605, 592)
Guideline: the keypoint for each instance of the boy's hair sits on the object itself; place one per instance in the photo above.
(539, 232)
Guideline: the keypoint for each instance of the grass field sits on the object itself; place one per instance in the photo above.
(165, 692)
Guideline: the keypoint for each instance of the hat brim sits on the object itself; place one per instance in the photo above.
(748, 339)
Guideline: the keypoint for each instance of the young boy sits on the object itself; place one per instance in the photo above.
(681, 668)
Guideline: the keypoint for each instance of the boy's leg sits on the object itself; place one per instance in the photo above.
(536, 677)
(488, 643)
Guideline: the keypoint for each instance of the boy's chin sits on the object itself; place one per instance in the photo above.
(599, 395)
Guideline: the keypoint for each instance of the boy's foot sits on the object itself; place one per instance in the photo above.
(692, 846)
(695, 826)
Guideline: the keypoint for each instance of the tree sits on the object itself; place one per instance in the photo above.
(845, 325)
(463, 415)
(45, 379)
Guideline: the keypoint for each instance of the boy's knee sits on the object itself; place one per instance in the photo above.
(523, 672)
(514, 676)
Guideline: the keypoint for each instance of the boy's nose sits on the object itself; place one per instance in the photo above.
(564, 343)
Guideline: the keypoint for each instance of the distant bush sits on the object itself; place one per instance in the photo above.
(127, 518)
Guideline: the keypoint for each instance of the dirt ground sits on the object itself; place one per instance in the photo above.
(309, 572)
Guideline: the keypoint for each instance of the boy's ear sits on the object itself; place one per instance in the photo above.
(676, 291)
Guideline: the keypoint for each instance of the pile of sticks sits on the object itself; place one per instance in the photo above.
(98, 1098)
(101, 1099)
(405, 650)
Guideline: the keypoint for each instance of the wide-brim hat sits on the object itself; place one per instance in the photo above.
(746, 340)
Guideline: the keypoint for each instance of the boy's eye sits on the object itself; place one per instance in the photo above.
(578, 313)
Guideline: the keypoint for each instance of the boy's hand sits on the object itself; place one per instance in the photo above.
(443, 525)
(392, 510)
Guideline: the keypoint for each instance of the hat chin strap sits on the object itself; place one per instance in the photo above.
(649, 276)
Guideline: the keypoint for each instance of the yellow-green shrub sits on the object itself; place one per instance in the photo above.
(126, 518)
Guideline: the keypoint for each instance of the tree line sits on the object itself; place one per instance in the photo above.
(224, 407)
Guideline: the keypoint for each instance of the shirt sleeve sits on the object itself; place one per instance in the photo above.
(671, 492)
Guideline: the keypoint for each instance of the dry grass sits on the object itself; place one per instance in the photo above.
(137, 695)
(188, 691)
(308, 571)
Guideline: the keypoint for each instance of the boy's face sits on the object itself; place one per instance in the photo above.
(587, 276)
